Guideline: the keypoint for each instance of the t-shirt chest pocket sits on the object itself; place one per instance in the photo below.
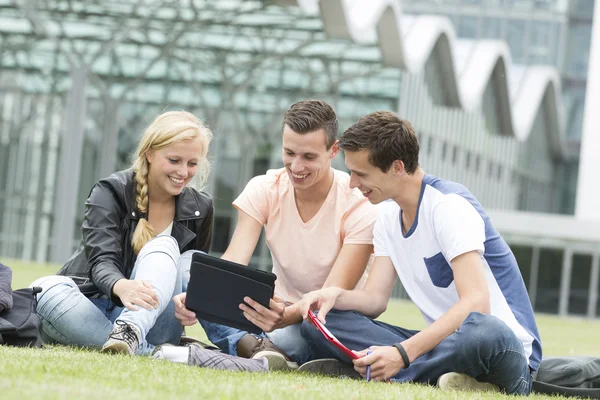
(439, 270)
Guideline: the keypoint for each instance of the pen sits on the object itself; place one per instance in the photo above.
(368, 366)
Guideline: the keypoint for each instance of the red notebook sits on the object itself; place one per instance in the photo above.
(330, 336)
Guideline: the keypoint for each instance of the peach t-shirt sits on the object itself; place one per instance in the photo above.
(304, 252)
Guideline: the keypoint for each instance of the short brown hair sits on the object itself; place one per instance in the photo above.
(386, 137)
(311, 115)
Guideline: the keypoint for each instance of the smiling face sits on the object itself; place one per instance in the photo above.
(306, 158)
(374, 184)
(173, 167)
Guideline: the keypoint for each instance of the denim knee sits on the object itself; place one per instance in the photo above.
(481, 327)
(51, 284)
(311, 334)
(484, 331)
(56, 290)
(163, 244)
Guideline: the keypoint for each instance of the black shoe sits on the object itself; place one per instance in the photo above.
(330, 367)
(251, 346)
(188, 340)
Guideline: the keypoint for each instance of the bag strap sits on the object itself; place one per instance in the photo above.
(548, 388)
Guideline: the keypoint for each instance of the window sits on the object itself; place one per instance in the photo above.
(579, 38)
(493, 28)
(468, 27)
(516, 31)
(544, 42)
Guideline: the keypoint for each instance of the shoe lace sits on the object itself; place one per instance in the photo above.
(125, 333)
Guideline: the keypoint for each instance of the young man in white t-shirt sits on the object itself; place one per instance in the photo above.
(435, 236)
(318, 229)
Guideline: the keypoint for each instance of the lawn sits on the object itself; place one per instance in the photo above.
(57, 372)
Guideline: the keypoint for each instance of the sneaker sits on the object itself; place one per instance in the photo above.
(201, 357)
(124, 339)
(462, 382)
(251, 346)
(330, 367)
(171, 353)
(187, 340)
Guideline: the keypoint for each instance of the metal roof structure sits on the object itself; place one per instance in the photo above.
(83, 78)
(466, 67)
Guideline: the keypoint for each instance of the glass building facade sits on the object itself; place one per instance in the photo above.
(550, 32)
(80, 81)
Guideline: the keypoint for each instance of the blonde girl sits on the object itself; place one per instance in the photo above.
(139, 230)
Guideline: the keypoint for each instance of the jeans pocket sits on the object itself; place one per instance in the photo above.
(439, 270)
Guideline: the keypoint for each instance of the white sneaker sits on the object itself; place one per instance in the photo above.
(462, 382)
(176, 354)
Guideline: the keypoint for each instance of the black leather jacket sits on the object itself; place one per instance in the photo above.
(6, 300)
(111, 216)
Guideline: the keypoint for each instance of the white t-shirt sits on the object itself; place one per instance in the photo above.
(168, 230)
(451, 222)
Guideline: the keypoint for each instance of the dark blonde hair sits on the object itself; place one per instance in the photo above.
(167, 129)
(311, 115)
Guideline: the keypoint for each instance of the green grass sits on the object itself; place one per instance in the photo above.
(57, 372)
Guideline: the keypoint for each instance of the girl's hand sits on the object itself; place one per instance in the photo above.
(134, 293)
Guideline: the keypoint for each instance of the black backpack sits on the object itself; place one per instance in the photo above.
(569, 377)
(20, 325)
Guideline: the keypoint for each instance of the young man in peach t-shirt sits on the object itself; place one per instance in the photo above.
(319, 231)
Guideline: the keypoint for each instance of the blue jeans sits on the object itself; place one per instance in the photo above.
(68, 317)
(484, 347)
(288, 339)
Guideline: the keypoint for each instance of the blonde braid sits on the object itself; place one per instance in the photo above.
(144, 231)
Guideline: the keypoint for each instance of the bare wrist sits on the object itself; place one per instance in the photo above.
(291, 315)
(117, 287)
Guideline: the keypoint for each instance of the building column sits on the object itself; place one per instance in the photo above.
(67, 187)
(565, 282)
(107, 161)
(593, 293)
(533, 275)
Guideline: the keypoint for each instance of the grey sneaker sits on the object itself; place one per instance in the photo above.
(124, 339)
(276, 361)
(330, 367)
(254, 347)
(201, 357)
(462, 382)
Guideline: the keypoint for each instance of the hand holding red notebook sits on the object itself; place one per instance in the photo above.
(330, 336)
